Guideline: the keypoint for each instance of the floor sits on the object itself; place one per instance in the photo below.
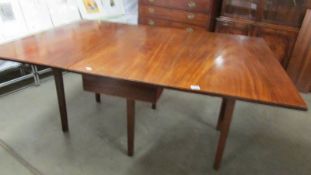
(177, 138)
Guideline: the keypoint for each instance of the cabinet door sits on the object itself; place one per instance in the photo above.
(286, 12)
(247, 9)
(231, 27)
(280, 41)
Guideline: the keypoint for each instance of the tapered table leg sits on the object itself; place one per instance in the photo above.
(154, 106)
(58, 76)
(226, 113)
(221, 114)
(97, 97)
(130, 126)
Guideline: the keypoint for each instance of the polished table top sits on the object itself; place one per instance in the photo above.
(223, 65)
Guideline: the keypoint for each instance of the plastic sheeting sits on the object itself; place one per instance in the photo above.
(6, 65)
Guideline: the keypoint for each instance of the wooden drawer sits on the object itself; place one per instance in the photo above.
(199, 19)
(166, 23)
(121, 88)
(203, 6)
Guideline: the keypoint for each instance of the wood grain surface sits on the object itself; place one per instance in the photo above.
(238, 67)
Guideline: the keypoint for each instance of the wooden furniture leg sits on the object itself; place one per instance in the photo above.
(130, 126)
(131, 91)
(97, 97)
(59, 83)
(224, 125)
(159, 92)
(154, 106)
(221, 114)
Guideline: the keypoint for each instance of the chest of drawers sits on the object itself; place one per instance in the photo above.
(190, 15)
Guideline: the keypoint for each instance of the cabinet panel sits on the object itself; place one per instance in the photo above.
(283, 12)
(151, 21)
(175, 15)
(247, 9)
(280, 41)
(203, 6)
(276, 21)
(286, 12)
(233, 27)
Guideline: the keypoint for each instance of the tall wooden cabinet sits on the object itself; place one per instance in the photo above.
(299, 68)
(276, 21)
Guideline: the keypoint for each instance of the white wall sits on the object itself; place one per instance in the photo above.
(11, 29)
(32, 16)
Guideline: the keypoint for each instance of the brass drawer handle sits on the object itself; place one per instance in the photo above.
(151, 22)
(151, 10)
(192, 4)
(189, 29)
(151, 1)
(191, 16)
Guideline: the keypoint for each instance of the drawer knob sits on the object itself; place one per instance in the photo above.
(151, 1)
(151, 10)
(191, 16)
(189, 29)
(151, 22)
(192, 4)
